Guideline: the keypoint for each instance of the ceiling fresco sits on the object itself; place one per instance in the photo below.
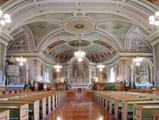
(155, 2)
(3, 1)
(101, 34)
(39, 29)
(20, 44)
(118, 28)
(96, 51)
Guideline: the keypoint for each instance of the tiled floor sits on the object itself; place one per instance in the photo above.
(80, 107)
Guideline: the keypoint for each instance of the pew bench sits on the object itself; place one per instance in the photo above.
(4, 114)
(18, 111)
(33, 109)
(42, 104)
(145, 112)
(127, 107)
(118, 102)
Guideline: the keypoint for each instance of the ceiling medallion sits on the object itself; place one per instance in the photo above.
(80, 25)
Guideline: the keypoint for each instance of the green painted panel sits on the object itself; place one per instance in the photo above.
(40, 28)
(118, 28)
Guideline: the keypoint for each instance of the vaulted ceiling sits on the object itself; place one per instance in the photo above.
(102, 30)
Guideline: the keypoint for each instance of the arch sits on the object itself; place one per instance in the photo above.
(74, 59)
(21, 10)
(149, 65)
(49, 38)
(129, 38)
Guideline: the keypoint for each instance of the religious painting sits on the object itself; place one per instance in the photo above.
(79, 72)
(141, 75)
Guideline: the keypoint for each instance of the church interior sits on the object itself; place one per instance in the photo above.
(79, 59)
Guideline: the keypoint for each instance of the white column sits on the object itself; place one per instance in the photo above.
(2, 63)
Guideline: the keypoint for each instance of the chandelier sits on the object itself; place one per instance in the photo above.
(100, 67)
(79, 55)
(138, 60)
(21, 60)
(154, 19)
(57, 67)
(4, 19)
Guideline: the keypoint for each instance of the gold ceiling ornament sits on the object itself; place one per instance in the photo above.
(80, 25)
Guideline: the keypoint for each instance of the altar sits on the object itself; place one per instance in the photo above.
(80, 86)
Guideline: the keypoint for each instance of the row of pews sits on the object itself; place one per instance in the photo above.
(30, 105)
(129, 105)
(14, 91)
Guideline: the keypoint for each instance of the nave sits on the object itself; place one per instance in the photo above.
(80, 107)
(86, 105)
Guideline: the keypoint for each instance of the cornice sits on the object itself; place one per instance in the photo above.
(5, 38)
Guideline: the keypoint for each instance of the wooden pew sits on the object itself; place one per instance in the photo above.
(4, 114)
(42, 104)
(118, 103)
(18, 95)
(47, 100)
(156, 116)
(127, 107)
(33, 107)
(17, 111)
(145, 112)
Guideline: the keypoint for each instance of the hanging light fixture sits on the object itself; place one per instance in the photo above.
(21, 60)
(5, 19)
(154, 19)
(79, 54)
(138, 60)
(57, 67)
(100, 67)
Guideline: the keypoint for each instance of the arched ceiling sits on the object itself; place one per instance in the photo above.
(105, 28)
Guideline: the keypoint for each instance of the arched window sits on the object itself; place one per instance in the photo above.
(112, 75)
(46, 76)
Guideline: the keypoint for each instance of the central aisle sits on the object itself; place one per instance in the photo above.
(80, 107)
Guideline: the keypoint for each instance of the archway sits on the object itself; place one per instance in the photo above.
(141, 75)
